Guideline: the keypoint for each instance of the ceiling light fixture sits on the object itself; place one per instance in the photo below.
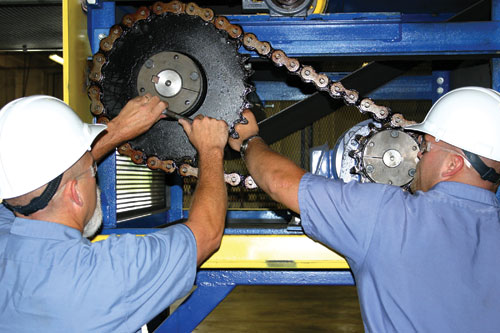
(56, 58)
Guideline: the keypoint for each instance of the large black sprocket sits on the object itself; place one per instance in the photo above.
(223, 70)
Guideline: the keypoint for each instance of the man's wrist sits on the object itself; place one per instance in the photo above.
(245, 143)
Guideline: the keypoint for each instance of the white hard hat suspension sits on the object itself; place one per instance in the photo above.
(39, 202)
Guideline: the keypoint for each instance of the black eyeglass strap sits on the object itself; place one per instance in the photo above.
(484, 171)
(39, 202)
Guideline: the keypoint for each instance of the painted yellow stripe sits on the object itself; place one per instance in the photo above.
(271, 252)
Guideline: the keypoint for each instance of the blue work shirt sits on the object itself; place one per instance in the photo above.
(54, 280)
(428, 262)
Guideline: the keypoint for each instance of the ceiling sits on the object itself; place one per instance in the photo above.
(36, 25)
(30, 25)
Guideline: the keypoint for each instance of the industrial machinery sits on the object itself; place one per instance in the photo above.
(158, 50)
(307, 66)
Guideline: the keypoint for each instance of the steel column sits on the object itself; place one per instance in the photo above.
(107, 183)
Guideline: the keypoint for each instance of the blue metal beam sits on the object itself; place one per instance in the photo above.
(107, 184)
(272, 277)
(195, 308)
(212, 286)
(402, 88)
(324, 38)
(364, 34)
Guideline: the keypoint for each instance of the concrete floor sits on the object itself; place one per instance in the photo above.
(286, 309)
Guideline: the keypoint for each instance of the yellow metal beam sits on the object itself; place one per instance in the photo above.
(76, 50)
(271, 252)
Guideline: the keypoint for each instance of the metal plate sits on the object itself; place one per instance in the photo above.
(390, 157)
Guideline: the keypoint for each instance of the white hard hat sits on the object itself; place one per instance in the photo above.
(467, 118)
(40, 138)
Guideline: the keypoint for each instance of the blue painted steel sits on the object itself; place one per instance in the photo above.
(249, 214)
(255, 214)
(362, 34)
(214, 285)
(275, 277)
(100, 18)
(107, 183)
(264, 230)
(421, 6)
(402, 88)
(495, 10)
(248, 230)
(195, 308)
(375, 38)
(176, 212)
(440, 85)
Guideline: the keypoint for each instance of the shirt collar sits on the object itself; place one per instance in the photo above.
(43, 229)
(468, 192)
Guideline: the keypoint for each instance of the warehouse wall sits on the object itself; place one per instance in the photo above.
(29, 74)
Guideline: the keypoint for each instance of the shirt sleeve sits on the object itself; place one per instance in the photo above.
(340, 215)
(157, 269)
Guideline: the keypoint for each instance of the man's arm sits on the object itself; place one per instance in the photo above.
(207, 213)
(275, 174)
(136, 117)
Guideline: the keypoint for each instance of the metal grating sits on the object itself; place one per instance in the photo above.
(139, 190)
(31, 27)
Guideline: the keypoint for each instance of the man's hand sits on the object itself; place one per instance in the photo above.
(206, 134)
(244, 131)
(138, 115)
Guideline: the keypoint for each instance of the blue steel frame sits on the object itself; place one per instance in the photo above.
(328, 35)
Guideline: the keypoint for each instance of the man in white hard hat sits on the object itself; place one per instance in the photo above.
(423, 262)
(52, 279)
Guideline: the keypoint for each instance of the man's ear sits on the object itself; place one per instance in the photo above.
(74, 192)
(453, 164)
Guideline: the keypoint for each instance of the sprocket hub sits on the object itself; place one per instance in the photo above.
(386, 156)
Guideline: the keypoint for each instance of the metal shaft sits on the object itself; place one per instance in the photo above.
(176, 116)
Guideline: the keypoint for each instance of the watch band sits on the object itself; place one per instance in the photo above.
(244, 145)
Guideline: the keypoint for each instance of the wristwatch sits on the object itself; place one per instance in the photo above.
(244, 145)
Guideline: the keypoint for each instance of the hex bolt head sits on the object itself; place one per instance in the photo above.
(369, 168)
(412, 172)
(394, 134)
(149, 63)
(194, 76)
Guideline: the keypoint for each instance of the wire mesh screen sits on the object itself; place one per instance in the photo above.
(297, 145)
(139, 190)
